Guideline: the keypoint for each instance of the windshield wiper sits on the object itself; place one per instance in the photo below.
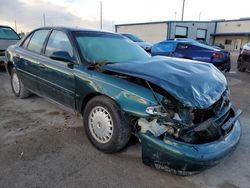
(96, 65)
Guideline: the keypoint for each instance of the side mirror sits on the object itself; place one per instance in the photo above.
(62, 56)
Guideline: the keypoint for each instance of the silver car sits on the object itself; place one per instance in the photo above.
(7, 37)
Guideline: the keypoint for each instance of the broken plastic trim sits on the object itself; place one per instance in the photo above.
(156, 110)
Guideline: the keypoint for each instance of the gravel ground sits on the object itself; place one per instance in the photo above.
(42, 145)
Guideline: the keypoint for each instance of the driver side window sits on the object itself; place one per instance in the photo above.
(58, 41)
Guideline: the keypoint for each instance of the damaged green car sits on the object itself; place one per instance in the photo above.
(179, 109)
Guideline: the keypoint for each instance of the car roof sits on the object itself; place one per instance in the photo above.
(70, 29)
(5, 26)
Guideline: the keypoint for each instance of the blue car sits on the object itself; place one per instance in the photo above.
(191, 49)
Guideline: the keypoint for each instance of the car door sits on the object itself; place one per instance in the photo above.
(56, 77)
(27, 58)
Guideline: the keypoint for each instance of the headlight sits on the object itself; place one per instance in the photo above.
(156, 110)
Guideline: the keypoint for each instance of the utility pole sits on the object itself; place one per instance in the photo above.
(183, 7)
(101, 15)
(44, 23)
(200, 16)
(15, 26)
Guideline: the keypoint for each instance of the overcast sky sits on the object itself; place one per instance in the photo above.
(86, 13)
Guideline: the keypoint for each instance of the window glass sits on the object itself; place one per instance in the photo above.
(133, 37)
(37, 40)
(164, 47)
(182, 46)
(201, 33)
(228, 42)
(8, 33)
(97, 47)
(58, 41)
(26, 42)
(180, 32)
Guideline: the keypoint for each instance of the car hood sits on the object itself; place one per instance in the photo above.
(195, 84)
(4, 44)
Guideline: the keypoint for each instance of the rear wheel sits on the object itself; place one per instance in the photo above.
(18, 88)
(239, 65)
(106, 125)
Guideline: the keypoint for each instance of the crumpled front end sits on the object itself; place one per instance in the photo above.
(191, 125)
(186, 159)
(185, 141)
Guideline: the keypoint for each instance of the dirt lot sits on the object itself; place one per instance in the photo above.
(42, 145)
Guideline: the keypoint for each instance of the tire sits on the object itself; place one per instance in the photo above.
(241, 69)
(17, 86)
(228, 69)
(239, 66)
(106, 125)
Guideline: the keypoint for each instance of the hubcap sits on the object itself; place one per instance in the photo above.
(15, 83)
(100, 124)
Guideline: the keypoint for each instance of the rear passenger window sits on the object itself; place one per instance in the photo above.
(37, 40)
(58, 41)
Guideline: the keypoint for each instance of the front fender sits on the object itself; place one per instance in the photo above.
(132, 98)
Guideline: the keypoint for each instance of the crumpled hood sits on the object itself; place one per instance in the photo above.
(195, 84)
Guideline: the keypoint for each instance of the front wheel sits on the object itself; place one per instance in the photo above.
(106, 125)
(18, 88)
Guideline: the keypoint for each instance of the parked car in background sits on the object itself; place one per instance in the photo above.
(7, 37)
(243, 62)
(191, 49)
(145, 45)
(218, 45)
(182, 114)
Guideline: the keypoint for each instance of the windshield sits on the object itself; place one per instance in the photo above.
(99, 47)
(133, 37)
(8, 33)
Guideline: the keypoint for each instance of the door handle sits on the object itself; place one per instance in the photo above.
(41, 66)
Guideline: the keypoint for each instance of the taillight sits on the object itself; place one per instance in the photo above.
(217, 55)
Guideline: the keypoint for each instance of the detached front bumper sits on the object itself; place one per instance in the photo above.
(186, 159)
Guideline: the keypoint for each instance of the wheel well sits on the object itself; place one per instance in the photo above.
(10, 65)
(90, 96)
(87, 99)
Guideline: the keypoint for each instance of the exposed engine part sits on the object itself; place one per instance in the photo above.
(157, 129)
(156, 110)
(152, 126)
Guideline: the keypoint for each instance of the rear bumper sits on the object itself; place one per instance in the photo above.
(223, 66)
(191, 158)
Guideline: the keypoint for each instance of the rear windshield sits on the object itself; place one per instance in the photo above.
(8, 33)
(113, 48)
